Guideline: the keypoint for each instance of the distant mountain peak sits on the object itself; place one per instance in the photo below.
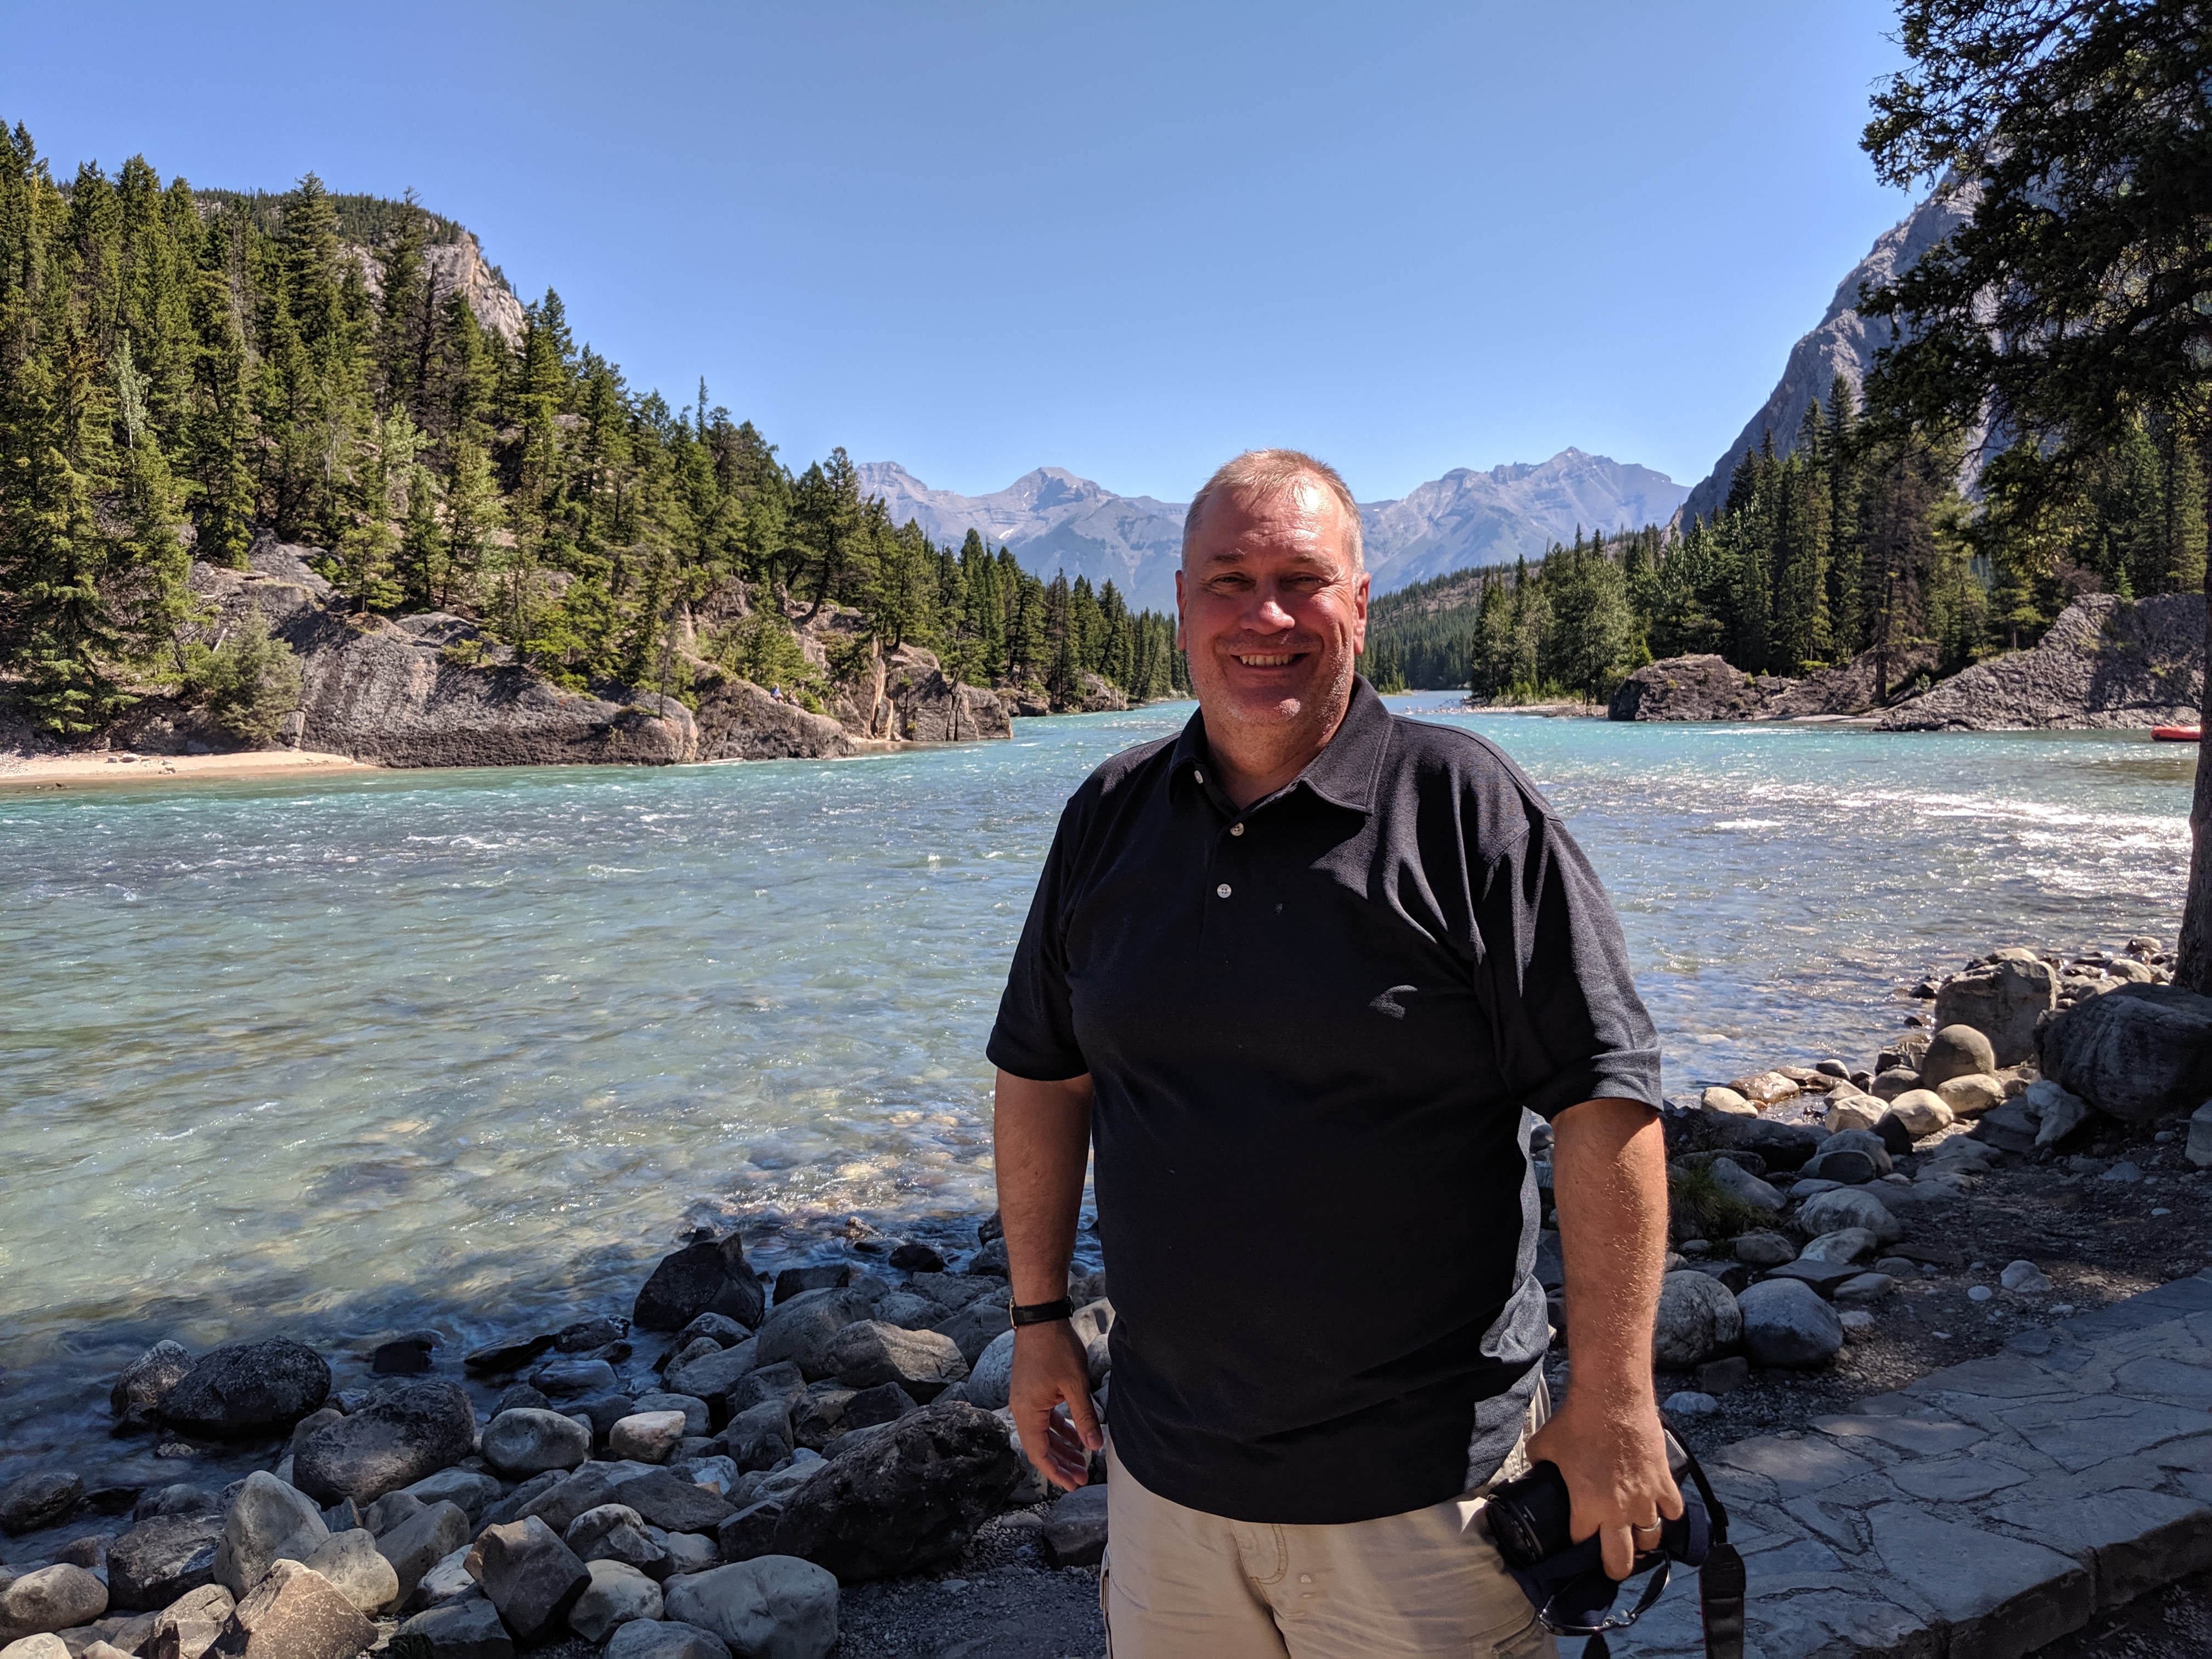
(1056, 520)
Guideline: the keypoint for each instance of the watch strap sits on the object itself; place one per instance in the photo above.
(1041, 1313)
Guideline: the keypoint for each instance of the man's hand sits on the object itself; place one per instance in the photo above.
(1051, 1370)
(1615, 1465)
(1041, 1140)
(1609, 1176)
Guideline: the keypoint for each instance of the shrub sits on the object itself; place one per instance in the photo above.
(1697, 1206)
(249, 681)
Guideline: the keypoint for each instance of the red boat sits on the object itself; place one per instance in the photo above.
(2177, 734)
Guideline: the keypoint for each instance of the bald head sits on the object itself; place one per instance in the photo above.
(1261, 475)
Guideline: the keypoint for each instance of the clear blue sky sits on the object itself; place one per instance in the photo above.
(1126, 239)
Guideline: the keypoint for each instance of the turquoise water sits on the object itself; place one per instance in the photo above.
(458, 1048)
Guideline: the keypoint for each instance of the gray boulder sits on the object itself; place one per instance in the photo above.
(1697, 1319)
(760, 1437)
(528, 1442)
(618, 1594)
(39, 1501)
(1782, 1145)
(352, 1564)
(2002, 1003)
(1075, 1528)
(473, 1491)
(420, 1542)
(912, 1496)
(697, 1419)
(671, 1503)
(268, 1519)
(2139, 1052)
(411, 1433)
(992, 1378)
(248, 1388)
(59, 1597)
(162, 1558)
(461, 1628)
(774, 1606)
(1960, 1050)
(713, 1375)
(137, 1394)
(803, 1329)
(1847, 1166)
(294, 1613)
(1848, 1206)
(974, 1327)
(664, 1639)
(1747, 1189)
(869, 1352)
(616, 1532)
(1845, 1244)
(531, 1576)
(1786, 1324)
(707, 1275)
(1764, 1249)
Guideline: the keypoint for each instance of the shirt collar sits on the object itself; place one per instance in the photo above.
(1343, 774)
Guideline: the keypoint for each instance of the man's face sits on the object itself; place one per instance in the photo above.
(1271, 610)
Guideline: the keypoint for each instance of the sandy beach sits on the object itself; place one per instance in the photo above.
(19, 773)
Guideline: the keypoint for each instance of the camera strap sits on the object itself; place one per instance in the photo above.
(1721, 1580)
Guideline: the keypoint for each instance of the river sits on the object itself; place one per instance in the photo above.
(464, 1050)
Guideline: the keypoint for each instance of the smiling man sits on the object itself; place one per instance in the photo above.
(1302, 974)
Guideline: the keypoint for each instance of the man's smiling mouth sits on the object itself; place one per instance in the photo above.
(1274, 659)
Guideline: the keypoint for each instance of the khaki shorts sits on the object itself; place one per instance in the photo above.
(1179, 1584)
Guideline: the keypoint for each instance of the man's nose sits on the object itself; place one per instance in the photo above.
(1268, 615)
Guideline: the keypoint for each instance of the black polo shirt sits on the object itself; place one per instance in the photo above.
(1312, 1028)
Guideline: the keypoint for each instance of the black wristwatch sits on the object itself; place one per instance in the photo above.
(1041, 1313)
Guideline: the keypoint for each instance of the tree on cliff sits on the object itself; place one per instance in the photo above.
(2077, 302)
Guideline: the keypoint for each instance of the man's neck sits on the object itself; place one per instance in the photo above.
(1253, 762)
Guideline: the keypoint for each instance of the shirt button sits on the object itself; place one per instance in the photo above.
(1222, 890)
(1236, 829)
(1305, 1578)
(1198, 773)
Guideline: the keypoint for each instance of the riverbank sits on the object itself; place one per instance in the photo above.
(1841, 1231)
(95, 770)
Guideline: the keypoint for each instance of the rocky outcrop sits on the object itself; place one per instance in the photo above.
(1686, 689)
(1095, 695)
(1867, 682)
(432, 689)
(2106, 662)
(738, 720)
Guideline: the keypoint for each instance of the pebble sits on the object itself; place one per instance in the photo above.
(1688, 1402)
(1979, 1293)
(2162, 1210)
(2124, 1170)
(2024, 1276)
(1858, 1318)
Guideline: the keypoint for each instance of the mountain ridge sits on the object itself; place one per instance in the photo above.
(1055, 520)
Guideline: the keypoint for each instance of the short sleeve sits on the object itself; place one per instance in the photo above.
(1571, 1025)
(1035, 1036)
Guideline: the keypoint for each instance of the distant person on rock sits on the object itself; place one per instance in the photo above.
(1301, 975)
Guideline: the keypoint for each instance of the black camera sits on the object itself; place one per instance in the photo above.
(1529, 1521)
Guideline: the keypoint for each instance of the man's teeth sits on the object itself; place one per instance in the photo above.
(1265, 662)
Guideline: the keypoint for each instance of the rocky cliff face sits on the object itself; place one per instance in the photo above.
(1842, 343)
(2106, 662)
(452, 265)
(381, 690)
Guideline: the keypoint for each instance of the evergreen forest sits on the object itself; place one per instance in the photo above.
(182, 370)
(1855, 540)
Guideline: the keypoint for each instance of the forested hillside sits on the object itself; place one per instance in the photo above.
(1855, 540)
(181, 371)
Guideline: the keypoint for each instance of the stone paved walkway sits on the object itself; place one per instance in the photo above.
(1986, 1509)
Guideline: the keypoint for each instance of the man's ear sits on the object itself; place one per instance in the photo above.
(1182, 641)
